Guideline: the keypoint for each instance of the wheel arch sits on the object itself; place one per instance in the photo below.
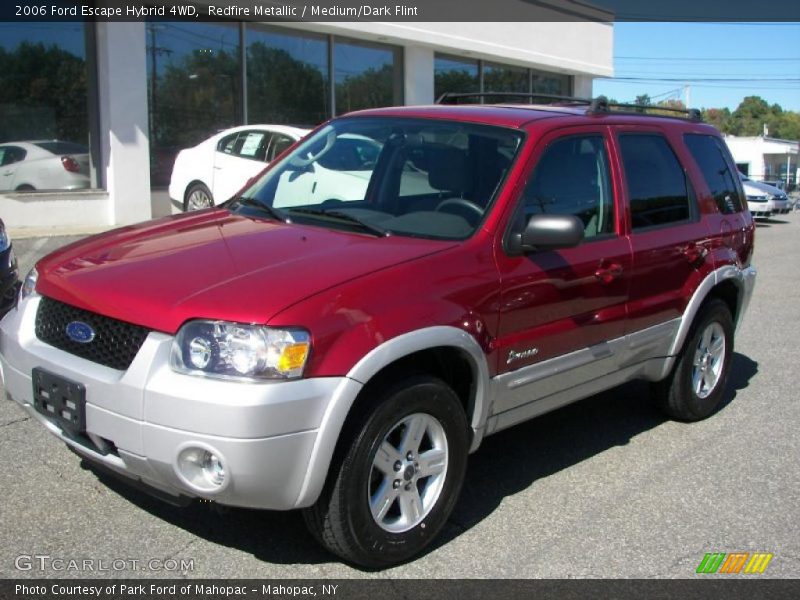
(730, 284)
(445, 352)
(191, 184)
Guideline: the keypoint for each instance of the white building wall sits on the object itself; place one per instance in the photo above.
(752, 150)
(570, 48)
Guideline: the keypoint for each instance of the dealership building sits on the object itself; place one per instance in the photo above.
(134, 93)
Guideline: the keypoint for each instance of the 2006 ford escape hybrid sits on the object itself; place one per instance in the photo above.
(343, 352)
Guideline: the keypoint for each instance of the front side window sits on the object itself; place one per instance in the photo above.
(708, 155)
(414, 177)
(572, 178)
(657, 188)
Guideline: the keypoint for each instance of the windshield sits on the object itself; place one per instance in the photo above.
(399, 176)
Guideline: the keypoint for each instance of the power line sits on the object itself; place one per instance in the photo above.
(709, 79)
(698, 59)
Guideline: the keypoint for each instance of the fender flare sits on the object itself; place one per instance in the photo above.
(744, 279)
(366, 368)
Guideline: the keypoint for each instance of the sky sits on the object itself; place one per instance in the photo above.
(763, 57)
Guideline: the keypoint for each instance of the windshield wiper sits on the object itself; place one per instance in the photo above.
(261, 207)
(343, 216)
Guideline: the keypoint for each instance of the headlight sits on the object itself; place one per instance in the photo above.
(757, 198)
(237, 351)
(4, 242)
(29, 285)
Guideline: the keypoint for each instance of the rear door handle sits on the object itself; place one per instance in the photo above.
(606, 273)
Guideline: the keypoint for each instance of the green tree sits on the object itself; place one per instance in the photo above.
(43, 94)
(368, 89)
(750, 116)
(718, 117)
(282, 89)
(196, 96)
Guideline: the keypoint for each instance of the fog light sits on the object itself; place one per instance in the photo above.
(203, 469)
(213, 469)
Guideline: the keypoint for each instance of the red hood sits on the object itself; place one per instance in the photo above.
(213, 265)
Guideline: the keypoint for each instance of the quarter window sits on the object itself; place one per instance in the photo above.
(572, 178)
(657, 186)
(708, 154)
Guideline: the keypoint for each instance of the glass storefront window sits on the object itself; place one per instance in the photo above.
(454, 75)
(44, 95)
(366, 75)
(194, 87)
(287, 77)
(503, 78)
(551, 83)
(459, 75)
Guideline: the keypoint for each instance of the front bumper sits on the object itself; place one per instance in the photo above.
(269, 436)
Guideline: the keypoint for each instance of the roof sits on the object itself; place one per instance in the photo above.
(519, 115)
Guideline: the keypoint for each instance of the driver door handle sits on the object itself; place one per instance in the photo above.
(608, 272)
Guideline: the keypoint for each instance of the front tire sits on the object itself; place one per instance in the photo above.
(695, 388)
(198, 197)
(399, 478)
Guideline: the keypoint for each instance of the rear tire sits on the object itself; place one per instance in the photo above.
(373, 513)
(198, 197)
(695, 387)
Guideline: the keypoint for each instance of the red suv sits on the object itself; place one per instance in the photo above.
(466, 267)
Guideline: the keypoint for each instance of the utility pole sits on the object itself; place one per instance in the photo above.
(687, 92)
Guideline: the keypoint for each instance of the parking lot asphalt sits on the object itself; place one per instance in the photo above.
(606, 487)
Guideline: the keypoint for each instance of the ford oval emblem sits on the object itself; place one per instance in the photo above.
(80, 332)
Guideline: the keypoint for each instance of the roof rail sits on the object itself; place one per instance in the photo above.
(598, 105)
(602, 105)
(453, 97)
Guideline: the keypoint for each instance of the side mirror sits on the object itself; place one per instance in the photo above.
(549, 232)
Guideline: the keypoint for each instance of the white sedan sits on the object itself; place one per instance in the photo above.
(43, 165)
(218, 167)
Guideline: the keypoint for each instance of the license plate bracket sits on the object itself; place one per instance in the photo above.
(61, 400)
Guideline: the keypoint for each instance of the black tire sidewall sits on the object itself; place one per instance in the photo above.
(699, 408)
(375, 546)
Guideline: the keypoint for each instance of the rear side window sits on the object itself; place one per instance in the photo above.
(279, 143)
(254, 145)
(572, 178)
(708, 154)
(657, 186)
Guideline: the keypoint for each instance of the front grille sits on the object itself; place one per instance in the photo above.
(115, 342)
